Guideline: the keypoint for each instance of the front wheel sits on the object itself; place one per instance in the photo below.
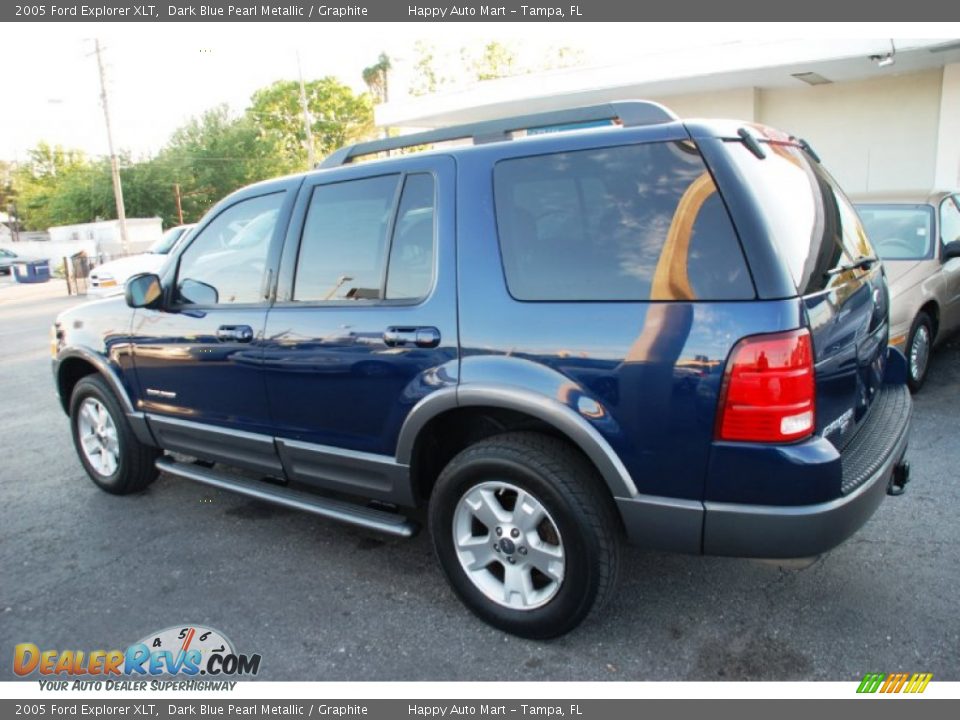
(111, 454)
(525, 534)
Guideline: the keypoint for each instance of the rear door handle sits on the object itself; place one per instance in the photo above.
(235, 333)
(425, 337)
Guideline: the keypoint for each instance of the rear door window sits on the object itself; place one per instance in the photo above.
(368, 239)
(638, 222)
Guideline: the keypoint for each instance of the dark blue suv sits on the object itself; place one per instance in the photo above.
(552, 339)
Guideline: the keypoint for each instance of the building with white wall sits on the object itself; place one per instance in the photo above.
(878, 125)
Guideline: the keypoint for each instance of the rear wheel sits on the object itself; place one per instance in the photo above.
(919, 345)
(109, 451)
(525, 534)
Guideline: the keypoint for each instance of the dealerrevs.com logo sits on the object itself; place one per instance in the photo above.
(186, 650)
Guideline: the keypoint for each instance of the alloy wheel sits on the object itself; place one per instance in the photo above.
(508, 545)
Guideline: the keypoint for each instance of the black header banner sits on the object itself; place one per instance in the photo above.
(470, 11)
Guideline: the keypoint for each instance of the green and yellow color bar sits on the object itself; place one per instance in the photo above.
(895, 683)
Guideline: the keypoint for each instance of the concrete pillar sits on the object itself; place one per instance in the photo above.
(947, 173)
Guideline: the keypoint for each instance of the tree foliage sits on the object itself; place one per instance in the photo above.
(337, 116)
(208, 157)
(376, 77)
(213, 155)
(434, 70)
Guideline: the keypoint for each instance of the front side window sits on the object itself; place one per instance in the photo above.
(639, 222)
(949, 221)
(225, 262)
(363, 241)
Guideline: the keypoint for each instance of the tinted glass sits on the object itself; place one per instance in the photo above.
(899, 232)
(410, 272)
(344, 243)
(225, 262)
(810, 219)
(639, 222)
(949, 221)
(165, 244)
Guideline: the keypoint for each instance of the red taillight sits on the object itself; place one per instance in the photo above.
(768, 389)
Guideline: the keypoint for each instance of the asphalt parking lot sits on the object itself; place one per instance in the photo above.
(81, 569)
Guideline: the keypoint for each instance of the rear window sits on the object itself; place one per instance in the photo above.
(899, 231)
(638, 222)
(812, 222)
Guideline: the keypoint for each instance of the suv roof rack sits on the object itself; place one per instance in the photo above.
(630, 113)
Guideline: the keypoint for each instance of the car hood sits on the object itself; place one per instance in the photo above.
(123, 268)
(904, 274)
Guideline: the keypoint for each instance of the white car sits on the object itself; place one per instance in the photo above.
(109, 278)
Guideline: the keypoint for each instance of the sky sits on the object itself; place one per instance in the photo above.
(160, 75)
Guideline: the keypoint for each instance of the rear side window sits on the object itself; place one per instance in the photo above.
(345, 239)
(638, 222)
(368, 239)
(812, 222)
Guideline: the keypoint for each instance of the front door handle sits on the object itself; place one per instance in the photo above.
(425, 337)
(235, 333)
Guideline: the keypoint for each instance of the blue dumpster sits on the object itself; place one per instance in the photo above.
(32, 271)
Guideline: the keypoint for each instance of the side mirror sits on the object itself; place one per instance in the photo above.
(143, 291)
(951, 250)
(195, 292)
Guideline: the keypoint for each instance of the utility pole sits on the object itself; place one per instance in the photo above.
(114, 165)
(176, 195)
(306, 118)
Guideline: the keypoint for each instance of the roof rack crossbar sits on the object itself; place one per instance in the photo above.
(630, 113)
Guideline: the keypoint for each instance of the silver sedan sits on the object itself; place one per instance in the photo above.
(918, 238)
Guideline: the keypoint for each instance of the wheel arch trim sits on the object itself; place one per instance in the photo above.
(559, 416)
(105, 370)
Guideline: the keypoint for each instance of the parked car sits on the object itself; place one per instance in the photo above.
(8, 258)
(918, 238)
(670, 333)
(109, 278)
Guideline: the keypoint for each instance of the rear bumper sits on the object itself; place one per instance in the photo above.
(860, 476)
(767, 531)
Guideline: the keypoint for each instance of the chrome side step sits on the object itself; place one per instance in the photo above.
(332, 509)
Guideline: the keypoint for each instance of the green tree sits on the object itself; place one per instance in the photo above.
(495, 60)
(338, 117)
(433, 73)
(56, 186)
(428, 77)
(8, 194)
(376, 77)
(211, 156)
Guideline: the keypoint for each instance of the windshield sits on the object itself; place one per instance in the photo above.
(899, 231)
(165, 244)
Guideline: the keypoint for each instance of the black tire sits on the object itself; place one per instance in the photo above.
(922, 323)
(569, 489)
(135, 468)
